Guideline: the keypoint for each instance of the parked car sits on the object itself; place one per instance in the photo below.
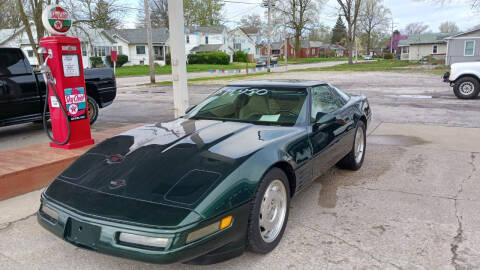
(465, 79)
(203, 187)
(262, 61)
(22, 91)
(368, 57)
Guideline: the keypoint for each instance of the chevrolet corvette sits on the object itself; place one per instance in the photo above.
(207, 186)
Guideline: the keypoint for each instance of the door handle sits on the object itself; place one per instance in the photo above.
(341, 121)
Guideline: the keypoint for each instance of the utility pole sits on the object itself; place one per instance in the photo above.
(179, 66)
(285, 44)
(268, 4)
(391, 41)
(149, 41)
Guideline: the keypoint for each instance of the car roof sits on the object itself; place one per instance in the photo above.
(278, 83)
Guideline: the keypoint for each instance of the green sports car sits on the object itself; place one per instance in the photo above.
(205, 187)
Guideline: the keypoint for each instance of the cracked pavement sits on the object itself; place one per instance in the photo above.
(414, 204)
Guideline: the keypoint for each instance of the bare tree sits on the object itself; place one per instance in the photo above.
(350, 11)
(9, 18)
(448, 27)
(251, 20)
(299, 15)
(158, 13)
(373, 19)
(28, 29)
(415, 28)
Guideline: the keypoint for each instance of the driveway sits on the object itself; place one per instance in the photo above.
(414, 204)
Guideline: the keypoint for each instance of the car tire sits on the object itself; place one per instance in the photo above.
(92, 109)
(353, 161)
(272, 205)
(466, 88)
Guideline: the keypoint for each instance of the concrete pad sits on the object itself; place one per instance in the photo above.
(19, 207)
(440, 137)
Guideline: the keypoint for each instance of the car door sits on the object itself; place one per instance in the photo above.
(345, 117)
(325, 129)
(18, 88)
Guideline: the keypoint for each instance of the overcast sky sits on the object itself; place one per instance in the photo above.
(403, 12)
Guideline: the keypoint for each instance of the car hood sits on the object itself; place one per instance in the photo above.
(173, 165)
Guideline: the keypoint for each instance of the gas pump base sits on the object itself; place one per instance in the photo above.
(73, 145)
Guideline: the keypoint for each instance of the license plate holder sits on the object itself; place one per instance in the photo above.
(82, 234)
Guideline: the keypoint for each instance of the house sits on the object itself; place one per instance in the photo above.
(416, 47)
(206, 39)
(256, 35)
(463, 47)
(133, 43)
(239, 40)
(98, 42)
(308, 49)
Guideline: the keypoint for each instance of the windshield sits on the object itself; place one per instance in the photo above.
(265, 105)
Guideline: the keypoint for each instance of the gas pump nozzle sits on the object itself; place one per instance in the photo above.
(50, 81)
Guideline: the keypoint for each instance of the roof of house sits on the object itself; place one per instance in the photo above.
(319, 44)
(206, 48)
(428, 38)
(276, 45)
(250, 30)
(337, 47)
(159, 35)
(213, 29)
(454, 35)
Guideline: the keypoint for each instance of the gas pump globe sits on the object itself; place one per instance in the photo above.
(65, 80)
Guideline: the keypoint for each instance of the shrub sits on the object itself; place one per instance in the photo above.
(168, 59)
(96, 61)
(121, 60)
(388, 56)
(333, 53)
(218, 58)
(240, 56)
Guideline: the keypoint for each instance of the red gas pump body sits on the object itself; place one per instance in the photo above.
(67, 69)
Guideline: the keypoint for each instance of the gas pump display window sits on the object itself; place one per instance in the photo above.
(70, 65)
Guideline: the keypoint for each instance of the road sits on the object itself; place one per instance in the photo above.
(414, 204)
(136, 80)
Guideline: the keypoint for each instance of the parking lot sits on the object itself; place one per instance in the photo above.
(413, 205)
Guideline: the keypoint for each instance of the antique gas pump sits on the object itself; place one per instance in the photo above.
(65, 81)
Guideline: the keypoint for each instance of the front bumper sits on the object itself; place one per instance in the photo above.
(103, 238)
(446, 77)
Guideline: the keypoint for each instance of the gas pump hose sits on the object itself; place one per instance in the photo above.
(45, 127)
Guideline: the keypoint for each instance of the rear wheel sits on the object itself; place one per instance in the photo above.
(269, 214)
(466, 88)
(93, 109)
(354, 159)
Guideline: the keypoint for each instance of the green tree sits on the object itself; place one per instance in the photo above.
(339, 31)
(102, 15)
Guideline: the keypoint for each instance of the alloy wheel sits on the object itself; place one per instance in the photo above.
(273, 211)
(359, 144)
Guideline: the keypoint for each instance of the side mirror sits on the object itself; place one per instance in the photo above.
(322, 118)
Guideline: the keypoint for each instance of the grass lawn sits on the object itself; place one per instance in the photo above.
(139, 70)
(209, 78)
(293, 61)
(377, 65)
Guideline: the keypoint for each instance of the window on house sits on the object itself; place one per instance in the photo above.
(188, 39)
(140, 49)
(206, 39)
(102, 50)
(237, 46)
(30, 53)
(469, 47)
(435, 49)
(405, 49)
(84, 49)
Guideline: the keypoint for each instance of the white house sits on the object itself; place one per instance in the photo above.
(98, 42)
(239, 40)
(206, 39)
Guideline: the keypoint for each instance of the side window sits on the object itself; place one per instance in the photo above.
(323, 101)
(12, 63)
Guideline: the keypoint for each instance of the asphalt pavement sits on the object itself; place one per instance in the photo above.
(413, 205)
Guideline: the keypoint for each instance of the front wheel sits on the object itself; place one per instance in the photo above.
(466, 88)
(269, 213)
(93, 109)
(354, 159)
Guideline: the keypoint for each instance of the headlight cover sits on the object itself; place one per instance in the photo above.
(141, 240)
(50, 213)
